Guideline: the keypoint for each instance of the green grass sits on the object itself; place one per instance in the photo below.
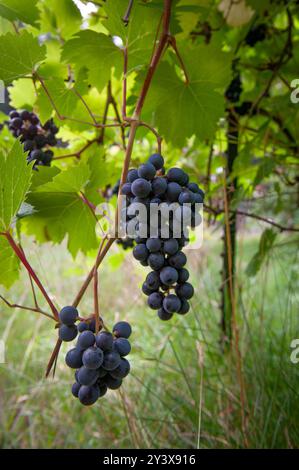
(183, 391)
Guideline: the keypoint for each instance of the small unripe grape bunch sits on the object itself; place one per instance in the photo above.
(167, 285)
(36, 138)
(99, 359)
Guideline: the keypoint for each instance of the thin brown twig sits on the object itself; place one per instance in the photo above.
(85, 105)
(280, 227)
(54, 356)
(21, 255)
(101, 254)
(31, 309)
(124, 103)
(126, 16)
(78, 153)
(173, 44)
(156, 134)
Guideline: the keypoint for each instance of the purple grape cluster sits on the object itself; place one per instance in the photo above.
(166, 285)
(99, 359)
(36, 139)
(256, 34)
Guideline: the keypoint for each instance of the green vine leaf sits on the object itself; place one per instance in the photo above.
(25, 10)
(20, 55)
(96, 52)
(9, 264)
(14, 183)
(59, 215)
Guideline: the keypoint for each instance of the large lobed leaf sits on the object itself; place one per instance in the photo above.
(60, 209)
(20, 54)
(96, 52)
(181, 110)
(24, 10)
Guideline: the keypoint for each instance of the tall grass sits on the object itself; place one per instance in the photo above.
(183, 391)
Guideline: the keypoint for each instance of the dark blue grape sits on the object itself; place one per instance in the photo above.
(185, 307)
(176, 175)
(173, 191)
(82, 326)
(172, 303)
(178, 260)
(146, 289)
(140, 252)
(86, 340)
(93, 358)
(88, 395)
(87, 376)
(47, 157)
(153, 280)
(25, 115)
(155, 300)
(122, 346)
(111, 382)
(169, 276)
(163, 315)
(73, 358)
(171, 246)
(122, 329)
(153, 244)
(156, 261)
(126, 189)
(36, 155)
(186, 197)
(16, 123)
(28, 145)
(141, 187)
(68, 315)
(198, 198)
(104, 341)
(40, 141)
(132, 175)
(67, 333)
(147, 171)
(185, 291)
(194, 187)
(122, 370)
(183, 275)
(92, 325)
(159, 186)
(102, 390)
(111, 360)
(157, 160)
(13, 114)
(75, 389)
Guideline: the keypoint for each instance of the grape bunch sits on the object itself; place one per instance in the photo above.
(256, 34)
(234, 90)
(99, 359)
(167, 285)
(36, 138)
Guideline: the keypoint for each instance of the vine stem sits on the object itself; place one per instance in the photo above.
(134, 123)
(101, 254)
(234, 317)
(280, 227)
(21, 255)
(30, 309)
